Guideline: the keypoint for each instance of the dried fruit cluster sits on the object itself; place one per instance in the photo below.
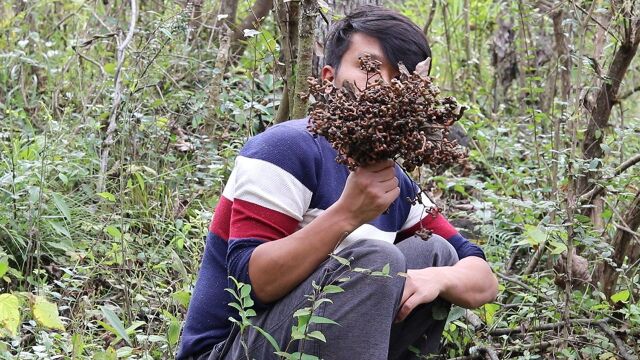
(404, 118)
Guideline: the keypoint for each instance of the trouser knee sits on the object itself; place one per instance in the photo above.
(435, 251)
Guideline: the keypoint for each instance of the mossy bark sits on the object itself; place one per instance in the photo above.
(308, 15)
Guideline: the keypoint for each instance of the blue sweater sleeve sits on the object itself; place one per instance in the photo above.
(465, 248)
(238, 255)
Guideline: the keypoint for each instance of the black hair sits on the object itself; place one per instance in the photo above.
(401, 39)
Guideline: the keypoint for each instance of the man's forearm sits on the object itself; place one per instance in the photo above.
(470, 283)
(277, 267)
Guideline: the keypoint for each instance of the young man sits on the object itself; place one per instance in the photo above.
(288, 205)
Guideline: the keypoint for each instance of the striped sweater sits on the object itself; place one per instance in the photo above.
(282, 180)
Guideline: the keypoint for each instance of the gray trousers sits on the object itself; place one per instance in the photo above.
(365, 310)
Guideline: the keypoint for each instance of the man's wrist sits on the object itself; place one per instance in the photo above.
(441, 275)
(344, 219)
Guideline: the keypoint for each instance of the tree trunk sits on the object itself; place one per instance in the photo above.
(606, 96)
(230, 9)
(216, 82)
(258, 12)
(287, 17)
(621, 240)
(306, 39)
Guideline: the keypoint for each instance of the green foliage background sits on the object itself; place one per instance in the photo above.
(120, 264)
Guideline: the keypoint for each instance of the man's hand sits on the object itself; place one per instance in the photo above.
(368, 192)
(421, 287)
(469, 283)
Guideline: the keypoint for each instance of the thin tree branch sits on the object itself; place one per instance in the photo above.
(596, 21)
(432, 13)
(622, 348)
(517, 282)
(599, 188)
(543, 327)
(625, 228)
(97, 64)
(117, 98)
(626, 95)
(257, 13)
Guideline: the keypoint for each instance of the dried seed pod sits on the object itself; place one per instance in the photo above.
(401, 119)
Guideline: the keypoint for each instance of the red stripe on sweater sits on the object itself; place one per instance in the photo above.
(222, 218)
(433, 222)
(249, 220)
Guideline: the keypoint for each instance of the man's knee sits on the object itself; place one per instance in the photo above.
(374, 255)
(444, 253)
(435, 251)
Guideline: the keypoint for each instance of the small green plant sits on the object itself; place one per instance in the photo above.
(305, 317)
(242, 294)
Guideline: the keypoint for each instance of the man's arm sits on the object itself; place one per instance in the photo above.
(277, 267)
(470, 283)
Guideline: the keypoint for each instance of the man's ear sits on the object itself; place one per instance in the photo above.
(328, 73)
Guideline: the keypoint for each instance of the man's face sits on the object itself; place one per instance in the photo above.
(349, 70)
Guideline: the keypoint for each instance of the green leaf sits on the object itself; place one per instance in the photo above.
(317, 335)
(385, 269)
(269, 338)
(302, 312)
(489, 312)
(114, 232)
(9, 313)
(140, 180)
(332, 289)
(456, 313)
(110, 68)
(300, 356)
(535, 234)
(46, 314)
(59, 228)
(317, 303)
(182, 297)
(61, 204)
(4, 265)
(78, 346)
(341, 260)
(321, 320)
(178, 265)
(115, 322)
(107, 196)
(173, 333)
(235, 306)
(109, 354)
(136, 324)
(460, 189)
(63, 178)
(622, 296)
(558, 247)
(245, 290)
(297, 332)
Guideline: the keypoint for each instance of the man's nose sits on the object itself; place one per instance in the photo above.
(387, 75)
